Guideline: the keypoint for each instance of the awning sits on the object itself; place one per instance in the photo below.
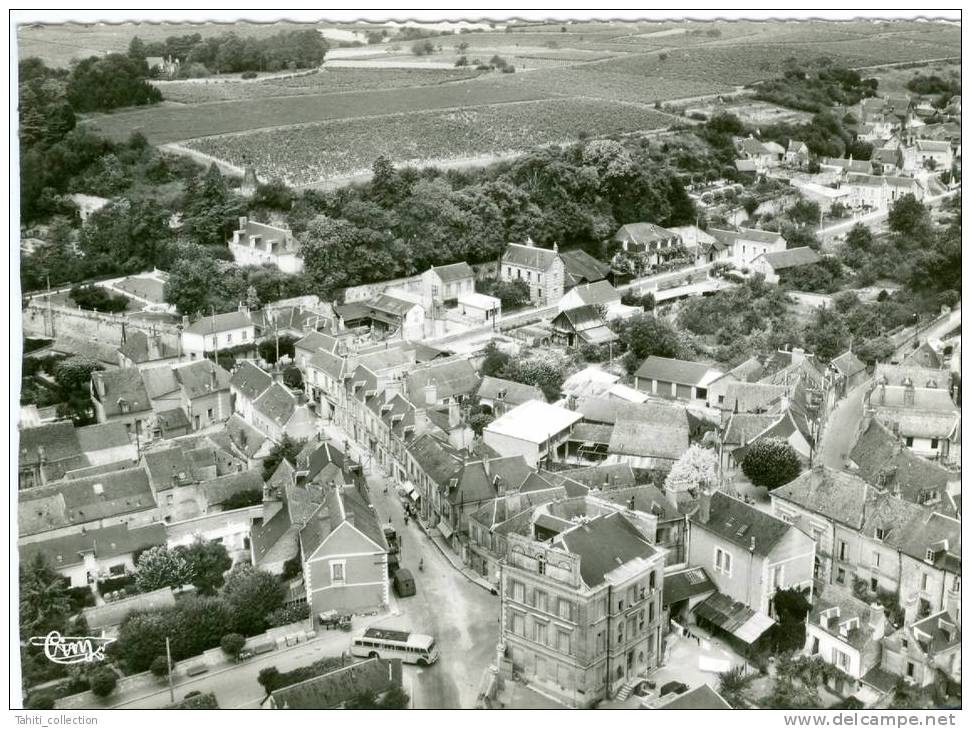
(413, 495)
(736, 618)
(445, 529)
(409, 488)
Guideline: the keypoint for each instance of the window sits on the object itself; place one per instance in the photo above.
(245, 335)
(337, 571)
(209, 413)
(539, 633)
(529, 275)
(539, 278)
(518, 624)
(541, 564)
(229, 338)
(923, 582)
(563, 609)
(540, 600)
(881, 534)
(509, 271)
(723, 561)
(841, 659)
(518, 592)
(117, 570)
(934, 443)
(909, 441)
(600, 642)
(652, 581)
(873, 584)
(840, 575)
(563, 641)
(650, 613)
(844, 549)
(875, 561)
(640, 622)
(701, 393)
(539, 293)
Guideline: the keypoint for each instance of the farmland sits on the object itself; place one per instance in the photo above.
(611, 73)
(309, 153)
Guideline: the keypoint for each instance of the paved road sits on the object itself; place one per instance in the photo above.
(462, 616)
(839, 432)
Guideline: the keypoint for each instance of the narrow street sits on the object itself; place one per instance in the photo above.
(839, 433)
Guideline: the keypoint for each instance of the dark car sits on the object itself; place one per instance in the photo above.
(673, 687)
(404, 583)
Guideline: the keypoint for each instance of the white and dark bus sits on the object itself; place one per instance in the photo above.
(384, 643)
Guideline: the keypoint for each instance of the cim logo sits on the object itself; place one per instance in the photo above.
(68, 650)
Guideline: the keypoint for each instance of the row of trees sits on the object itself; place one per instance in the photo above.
(231, 53)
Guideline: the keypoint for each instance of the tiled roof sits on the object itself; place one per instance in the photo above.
(458, 377)
(599, 292)
(848, 364)
(84, 500)
(139, 347)
(728, 237)
(837, 495)
(649, 439)
(791, 258)
(244, 436)
(317, 341)
(941, 639)
(603, 544)
(277, 403)
(742, 524)
(687, 583)
(159, 381)
(436, 458)
(104, 543)
(102, 436)
(172, 419)
(123, 385)
(169, 467)
(219, 489)
(748, 371)
(645, 498)
(201, 378)
(227, 322)
(753, 397)
(604, 476)
(52, 442)
(250, 380)
(454, 271)
(529, 256)
(643, 233)
(90, 348)
(609, 410)
(579, 318)
(682, 372)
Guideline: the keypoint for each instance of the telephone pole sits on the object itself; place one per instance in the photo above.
(168, 657)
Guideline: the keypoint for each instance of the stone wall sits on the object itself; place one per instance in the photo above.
(39, 320)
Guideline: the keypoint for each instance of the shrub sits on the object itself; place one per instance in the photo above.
(160, 666)
(250, 74)
(196, 700)
(39, 700)
(103, 681)
(288, 614)
(232, 644)
(95, 297)
(770, 462)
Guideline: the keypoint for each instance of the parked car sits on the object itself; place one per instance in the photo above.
(675, 687)
(404, 583)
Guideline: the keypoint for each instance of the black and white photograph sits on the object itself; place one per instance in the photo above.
(485, 359)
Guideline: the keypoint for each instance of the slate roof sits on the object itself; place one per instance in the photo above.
(513, 393)
(728, 237)
(791, 258)
(244, 436)
(742, 524)
(90, 348)
(580, 319)
(341, 505)
(645, 498)
(227, 322)
(105, 543)
(123, 384)
(847, 165)
(592, 433)
(937, 533)
(648, 439)
(219, 489)
(172, 420)
(201, 378)
(437, 459)
(169, 467)
(918, 376)
(102, 436)
(277, 403)
(454, 271)
(837, 495)
(250, 380)
(680, 371)
(139, 347)
(317, 341)
(687, 583)
(604, 476)
(644, 233)
(603, 544)
(748, 371)
(337, 687)
(385, 359)
(582, 267)
(610, 410)
(940, 640)
(458, 377)
(878, 451)
(529, 256)
(334, 365)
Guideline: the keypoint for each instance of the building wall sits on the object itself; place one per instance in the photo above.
(545, 287)
(248, 255)
(365, 586)
(217, 402)
(744, 582)
(194, 345)
(921, 581)
(829, 643)
(508, 446)
(100, 457)
(39, 320)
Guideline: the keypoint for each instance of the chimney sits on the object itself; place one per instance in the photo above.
(499, 485)
(529, 242)
(431, 393)
(908, 393)
(212, 377)
(454, 414)
(751, 546)
(878, 620)
(704, 506)
(99, 385)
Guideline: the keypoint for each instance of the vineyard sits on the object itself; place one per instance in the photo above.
(309, 153)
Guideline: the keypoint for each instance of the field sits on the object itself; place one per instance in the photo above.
(605, 77)
(894, 81)
(314, 152)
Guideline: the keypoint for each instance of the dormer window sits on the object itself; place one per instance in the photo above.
(881, 534)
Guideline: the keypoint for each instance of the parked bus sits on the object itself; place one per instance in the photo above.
(384, 643)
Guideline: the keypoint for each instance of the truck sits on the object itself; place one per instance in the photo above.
(394, 549)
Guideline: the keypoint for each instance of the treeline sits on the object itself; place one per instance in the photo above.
(934, 85)
(231, 53)
(816, 90)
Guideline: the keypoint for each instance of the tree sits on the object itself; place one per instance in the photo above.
(826, 334)
(287, 449)
(207, 561)
(159, 567)
(791, 608)
(907, 215)
(733, 683)
(103, 681)
(74, 373)
(190, 282)
(160, 666)
(44, 603)
(232, 644)
(268, 347)
(770, 462)
(644, 335)
(394, 698)
(109, 82)
(479, 421)
(292, 378)
(252, 594)
(268, 678)
(494, 362)
(697, 466)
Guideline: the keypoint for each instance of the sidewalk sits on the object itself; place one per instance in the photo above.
(439, 541)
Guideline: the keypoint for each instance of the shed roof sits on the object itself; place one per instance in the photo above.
(534, 422)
